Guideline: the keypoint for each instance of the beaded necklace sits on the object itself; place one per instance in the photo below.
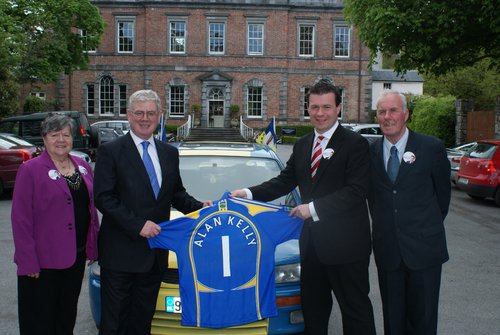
(74, 181)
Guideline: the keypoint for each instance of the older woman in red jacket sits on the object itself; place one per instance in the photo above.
(55, 226)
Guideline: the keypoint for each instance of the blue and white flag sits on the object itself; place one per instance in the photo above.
(162, 133)
(268, 136)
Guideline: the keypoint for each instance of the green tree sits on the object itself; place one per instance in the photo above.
(34, 104)
(430, 36)
(478, 82)
(434, 116)
(40, 39)
(9, 93)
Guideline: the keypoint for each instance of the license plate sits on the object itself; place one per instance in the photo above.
(463, 181)
(173, 305)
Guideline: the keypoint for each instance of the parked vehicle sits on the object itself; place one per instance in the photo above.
(14, 151)
(370, 131)
(121, 126)
(81, 155)
(479, 172)
(208, 170)
(454, 154)
(28, 127)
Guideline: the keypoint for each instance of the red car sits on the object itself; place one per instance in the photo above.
(13, 152)
(479, 172)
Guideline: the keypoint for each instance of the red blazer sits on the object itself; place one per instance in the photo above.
(43, 218)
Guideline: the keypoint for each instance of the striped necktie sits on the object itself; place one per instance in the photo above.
(316, 156)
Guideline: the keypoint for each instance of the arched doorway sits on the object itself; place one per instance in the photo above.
(216, 108)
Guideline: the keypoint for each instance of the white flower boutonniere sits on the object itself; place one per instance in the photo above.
(82, 170)
(328, 153)
(54, 174)
(409, 157)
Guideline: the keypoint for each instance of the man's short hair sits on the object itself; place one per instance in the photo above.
(324, 86)
(144, 95)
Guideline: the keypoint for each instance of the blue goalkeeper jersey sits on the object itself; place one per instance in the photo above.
(225, 255)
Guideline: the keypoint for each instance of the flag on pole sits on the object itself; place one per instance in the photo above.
(268, 136)
(162, 134)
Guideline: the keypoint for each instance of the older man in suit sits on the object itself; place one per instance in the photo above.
(331, 168)
(136, 182)
(409, 200)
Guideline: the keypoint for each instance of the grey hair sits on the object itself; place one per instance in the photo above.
(144, 95)
(56, 122)
(402, 97)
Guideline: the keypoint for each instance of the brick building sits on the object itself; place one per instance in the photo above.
(261, 55)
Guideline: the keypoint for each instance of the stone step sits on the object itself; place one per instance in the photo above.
(215, 134)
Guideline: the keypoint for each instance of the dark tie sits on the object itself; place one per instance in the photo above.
(316, 156)
(148, 163)
(393, 164)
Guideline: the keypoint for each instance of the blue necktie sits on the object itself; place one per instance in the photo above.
(393, 164)
(148, 163)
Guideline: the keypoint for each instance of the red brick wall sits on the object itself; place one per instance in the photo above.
(279, 64)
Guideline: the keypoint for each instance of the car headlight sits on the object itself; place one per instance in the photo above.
(287, 273)
(95, 269)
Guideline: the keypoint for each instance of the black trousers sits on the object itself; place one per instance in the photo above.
(48, 305)
(128, 301)
(350, 285)
(410, 300)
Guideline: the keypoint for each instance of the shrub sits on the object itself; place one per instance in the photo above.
(436, 117)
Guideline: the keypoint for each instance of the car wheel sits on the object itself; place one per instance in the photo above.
(1, 188)
(477, 197)
(497, 197)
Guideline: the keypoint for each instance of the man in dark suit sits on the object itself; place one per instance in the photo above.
(408, 211)
(136, 182)
(335, 243)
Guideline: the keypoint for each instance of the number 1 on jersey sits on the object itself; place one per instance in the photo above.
(226, 263)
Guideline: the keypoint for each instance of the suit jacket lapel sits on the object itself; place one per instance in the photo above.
(411, 146)
(335, 143)
(164, 162)
(53, 173)
(378, 159)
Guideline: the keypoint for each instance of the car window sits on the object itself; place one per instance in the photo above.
(10, 127)
(31, 128)
(16, 140)
(4, 144)
(208, 177)
(483, 150)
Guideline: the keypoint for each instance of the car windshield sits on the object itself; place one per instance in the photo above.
(208, 177)
(16, 140)
(483, 150)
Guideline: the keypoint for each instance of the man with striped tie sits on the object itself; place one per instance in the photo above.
(331, 168)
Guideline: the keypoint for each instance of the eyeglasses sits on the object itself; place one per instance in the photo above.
(140, 114)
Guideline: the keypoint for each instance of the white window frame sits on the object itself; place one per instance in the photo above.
(83, 36)
(125, 20)
(171, 37)
(90, 95)
(38, 94)
(249, 101)
(183, 102)
(109, 97)
(257, 39)
(301, 25)
(209, 30)
(339, 32)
